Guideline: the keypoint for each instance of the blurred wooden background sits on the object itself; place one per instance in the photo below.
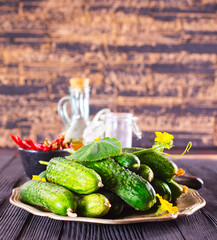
(156, 59)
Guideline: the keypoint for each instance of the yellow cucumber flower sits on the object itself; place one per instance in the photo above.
(165, 141)
(163, 137)
(37, 177)
(97, 139)
(165, 207)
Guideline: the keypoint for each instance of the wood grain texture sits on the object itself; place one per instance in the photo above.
(18, 224)
(156, 59)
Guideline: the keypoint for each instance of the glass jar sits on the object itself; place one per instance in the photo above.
(122, 126)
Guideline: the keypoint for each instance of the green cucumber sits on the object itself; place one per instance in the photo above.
(128, 160)
(146, 172)
(43, 175)
(162, 167)
(162, 188)
(73, 176)
(49, 196)
(117, 204)
(176, 189)
(93, 205)
(132, 188)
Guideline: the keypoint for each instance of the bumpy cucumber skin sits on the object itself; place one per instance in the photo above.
(48, 195)
(162, 167)
(146, 172)
(132, 188)
(73, 176)
(93, 205)
(162, 188)
(128, 160)
(43, 175)
(176, 189)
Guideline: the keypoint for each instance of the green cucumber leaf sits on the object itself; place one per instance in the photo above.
(95, 151)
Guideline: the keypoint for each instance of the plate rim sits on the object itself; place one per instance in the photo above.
(15, 200)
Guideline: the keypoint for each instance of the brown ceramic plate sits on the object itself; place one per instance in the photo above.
(187, 204)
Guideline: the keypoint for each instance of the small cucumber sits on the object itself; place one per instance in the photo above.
(117, 204)
(162, 188)
(49, 196)
(43, 175)
(162, 167)
(73, 176)
(128, 160)
(93, 205)
(146, 172)
(176, 189)
(132, 188)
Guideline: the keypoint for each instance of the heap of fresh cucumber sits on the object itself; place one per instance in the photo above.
(101, 179)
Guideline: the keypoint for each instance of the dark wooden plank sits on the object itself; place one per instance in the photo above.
(41, 228)
(196, 226)
(110, 233)
(7, 184)
(19, 224)
(14, 169)
(160, 231)
(6, 155)
(207, 170)
(203, 224)
(12, 220)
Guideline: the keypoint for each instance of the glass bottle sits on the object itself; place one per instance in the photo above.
(78, 119)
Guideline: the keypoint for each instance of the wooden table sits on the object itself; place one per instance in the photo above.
(16, 223)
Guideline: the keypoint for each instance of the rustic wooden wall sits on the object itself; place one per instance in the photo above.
(156, 58)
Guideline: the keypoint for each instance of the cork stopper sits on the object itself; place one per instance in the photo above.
(79, 82)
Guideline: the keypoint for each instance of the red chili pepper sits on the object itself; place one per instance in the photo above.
(56, 140)
(26, 142)
(14, 138)
(66, 144)
(45, 147)
(21, 144)
(19, 141)
(61, 144)
(34, 147)
(54, 146)
(38, 146)
(57, 143)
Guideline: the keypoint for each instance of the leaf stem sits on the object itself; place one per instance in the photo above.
(188, 147)
(146, 150)
(43, 162)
